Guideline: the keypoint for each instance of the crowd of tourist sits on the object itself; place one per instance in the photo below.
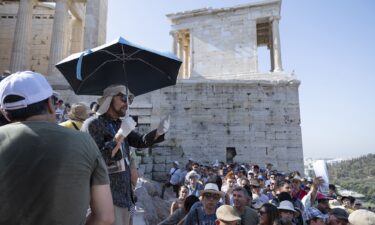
(251, 195)
(86, 174)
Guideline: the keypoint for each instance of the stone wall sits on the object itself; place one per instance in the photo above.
(8, 18)
(260, 118)
(41, 38)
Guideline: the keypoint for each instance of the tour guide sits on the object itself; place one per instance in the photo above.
(112, 130)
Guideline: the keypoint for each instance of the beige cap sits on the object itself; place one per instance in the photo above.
(78, 111)
(227, 213)
(362, 217)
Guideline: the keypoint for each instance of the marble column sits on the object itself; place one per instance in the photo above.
(187, 55)
(174, 41)
(22, 34)
(180, 53)
(276, 44)
(91, 34)
(76, 35)
(57, 40)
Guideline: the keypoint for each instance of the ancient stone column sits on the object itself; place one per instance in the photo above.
(91, 34)
(186, 55)
(276, 44)
(58, 41)
(180, 45)
(21, 43)
(180, 53)
(175, 40)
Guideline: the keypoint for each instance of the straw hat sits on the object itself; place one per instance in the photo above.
(212, 188)
(78, 111)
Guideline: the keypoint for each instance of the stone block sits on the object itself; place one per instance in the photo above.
(146, 160)
(159, 168)
(159, 176)
(148, 168)
(159, 159)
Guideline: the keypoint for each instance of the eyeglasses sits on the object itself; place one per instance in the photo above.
(125, 98)
(211, 196)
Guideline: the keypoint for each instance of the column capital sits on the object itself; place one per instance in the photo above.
(274, 18)
(173, 33)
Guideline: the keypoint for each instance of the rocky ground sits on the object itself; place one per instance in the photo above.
(150, 208)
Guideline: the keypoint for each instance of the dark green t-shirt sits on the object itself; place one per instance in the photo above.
(249, 217)
(46, 172)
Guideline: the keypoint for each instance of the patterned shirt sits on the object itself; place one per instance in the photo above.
(103, 129)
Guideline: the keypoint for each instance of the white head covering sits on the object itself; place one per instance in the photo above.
(108, 93)
(30, 86)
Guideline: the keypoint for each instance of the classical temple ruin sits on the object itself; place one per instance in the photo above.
(36, 34)
(222, 107)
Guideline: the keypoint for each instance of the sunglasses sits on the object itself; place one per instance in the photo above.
(126, 98)
(211, 196)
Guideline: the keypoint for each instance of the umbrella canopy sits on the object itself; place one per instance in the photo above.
(119, 62)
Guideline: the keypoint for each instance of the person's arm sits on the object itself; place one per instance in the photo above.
(190, 218)
(314, 188)
(174, 206)
(309, 199)
(163, 127)
(143, 141)
(182, 221)
(102, 212)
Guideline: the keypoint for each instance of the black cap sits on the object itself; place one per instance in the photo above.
(340, 213)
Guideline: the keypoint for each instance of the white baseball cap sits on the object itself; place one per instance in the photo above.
(32, 87)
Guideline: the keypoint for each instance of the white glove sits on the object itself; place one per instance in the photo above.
(163, 125)
(127, 125)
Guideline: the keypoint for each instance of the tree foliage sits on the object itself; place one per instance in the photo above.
(357, 174)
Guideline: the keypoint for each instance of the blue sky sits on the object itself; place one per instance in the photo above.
(328, 43)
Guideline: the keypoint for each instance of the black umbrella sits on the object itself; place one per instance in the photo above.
(119, 62)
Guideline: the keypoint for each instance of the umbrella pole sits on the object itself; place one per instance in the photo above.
(126, 88)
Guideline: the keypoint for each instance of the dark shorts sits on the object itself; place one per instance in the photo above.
(175, 186)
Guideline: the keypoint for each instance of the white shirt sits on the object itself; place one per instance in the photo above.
(175, 175)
